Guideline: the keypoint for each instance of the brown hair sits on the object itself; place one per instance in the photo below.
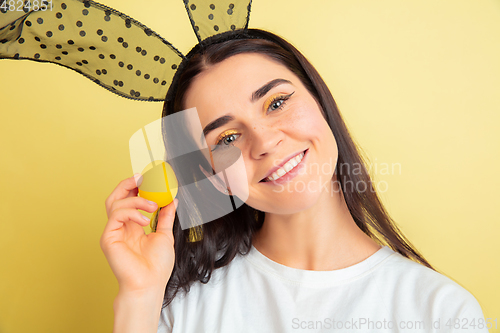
(225, 237)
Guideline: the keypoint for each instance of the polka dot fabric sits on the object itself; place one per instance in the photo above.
(212, 17)
(110, 48)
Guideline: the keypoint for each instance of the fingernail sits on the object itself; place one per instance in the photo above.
(138, 179)
(151, 202)
(176, 202)
(145, 218)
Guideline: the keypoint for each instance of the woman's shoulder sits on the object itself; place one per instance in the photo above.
(408, 272)
(412, 280)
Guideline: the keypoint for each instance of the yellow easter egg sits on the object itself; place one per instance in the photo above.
(159, 183)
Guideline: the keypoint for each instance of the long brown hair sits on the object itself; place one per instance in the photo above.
(225, 237)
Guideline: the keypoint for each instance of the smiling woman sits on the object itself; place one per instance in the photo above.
(305, 245)
(308, 243)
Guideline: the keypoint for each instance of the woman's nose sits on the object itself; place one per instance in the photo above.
(265, 140)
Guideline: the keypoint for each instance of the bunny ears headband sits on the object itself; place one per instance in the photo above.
(109, 47)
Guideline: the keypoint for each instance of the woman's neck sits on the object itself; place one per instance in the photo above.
(323, 237)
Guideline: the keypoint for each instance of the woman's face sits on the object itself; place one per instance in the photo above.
(273, 119)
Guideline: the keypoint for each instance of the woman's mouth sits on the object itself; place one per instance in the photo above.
(287, 171)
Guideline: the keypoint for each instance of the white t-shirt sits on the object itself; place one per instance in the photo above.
(384, 293)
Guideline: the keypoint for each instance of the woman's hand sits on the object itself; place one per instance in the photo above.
(141, 263)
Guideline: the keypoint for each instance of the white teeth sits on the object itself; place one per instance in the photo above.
(299, 157)
(292, 163)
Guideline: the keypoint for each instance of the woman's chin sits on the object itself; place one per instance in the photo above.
(288, 203)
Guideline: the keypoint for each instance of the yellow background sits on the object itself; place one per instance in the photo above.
(418, 82)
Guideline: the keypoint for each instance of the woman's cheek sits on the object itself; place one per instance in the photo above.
(304, 119)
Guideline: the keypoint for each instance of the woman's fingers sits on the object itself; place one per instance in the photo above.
(123, 224)
(138, 261)
(134, 202)
(126, 188)
(121, 216)
(166, 219)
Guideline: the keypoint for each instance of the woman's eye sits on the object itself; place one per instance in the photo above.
(278, 102)
(229, 139)
(226, 140)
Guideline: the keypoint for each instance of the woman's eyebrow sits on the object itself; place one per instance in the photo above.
(262, 91)
(221, 121)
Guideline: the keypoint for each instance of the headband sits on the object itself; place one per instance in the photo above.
(110, 48)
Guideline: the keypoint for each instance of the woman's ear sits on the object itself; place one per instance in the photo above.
(216, 181)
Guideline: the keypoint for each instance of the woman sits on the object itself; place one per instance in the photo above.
(312, 248)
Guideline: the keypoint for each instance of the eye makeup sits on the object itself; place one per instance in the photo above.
(223, 136)
(274, 99)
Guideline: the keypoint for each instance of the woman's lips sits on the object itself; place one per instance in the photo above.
(289, 175)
